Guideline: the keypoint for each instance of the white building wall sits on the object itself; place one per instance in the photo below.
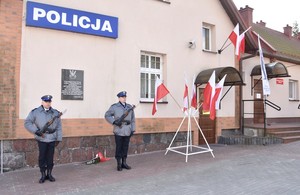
(280, 94)
(112, 65)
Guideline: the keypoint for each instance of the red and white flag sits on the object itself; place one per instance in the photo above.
(238, 40)
(160, 92)
(219, 87)
(235, 34)
(209, 92)
(215, 103)
(241, 45)
(194, 97)
(185, 97)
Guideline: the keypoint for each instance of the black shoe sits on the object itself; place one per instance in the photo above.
(119, 167)
(43, 177)
(51, 178)
(49, 175)
(125, 165)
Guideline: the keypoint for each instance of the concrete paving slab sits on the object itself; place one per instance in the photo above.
(236, 169)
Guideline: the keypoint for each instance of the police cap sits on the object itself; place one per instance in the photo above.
(47, 98)
(122, 94)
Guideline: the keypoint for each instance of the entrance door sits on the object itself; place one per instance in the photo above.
(259, 104)
(208, 126)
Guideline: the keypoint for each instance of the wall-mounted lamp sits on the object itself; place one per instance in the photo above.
(192, 44)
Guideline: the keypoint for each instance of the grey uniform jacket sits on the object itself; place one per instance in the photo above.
(116, 111)
(38, 117)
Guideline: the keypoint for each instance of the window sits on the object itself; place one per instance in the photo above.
(206, 37)
(151, 65)
(293, 90)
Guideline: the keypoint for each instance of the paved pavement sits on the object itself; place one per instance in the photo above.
(236, 169)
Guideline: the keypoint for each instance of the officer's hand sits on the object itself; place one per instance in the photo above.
(132, 132)
(56, 143)
(39, 132)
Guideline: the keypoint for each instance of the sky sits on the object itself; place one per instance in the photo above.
(275, 13)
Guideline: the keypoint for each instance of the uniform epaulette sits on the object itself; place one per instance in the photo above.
(114, 104)
(33, 109)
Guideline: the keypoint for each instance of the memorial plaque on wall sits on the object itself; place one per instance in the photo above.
(71, 84)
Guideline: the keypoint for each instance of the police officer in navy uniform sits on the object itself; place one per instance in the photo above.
(34, 123)
(122, 131)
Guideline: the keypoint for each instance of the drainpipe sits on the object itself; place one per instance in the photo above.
(241, 88)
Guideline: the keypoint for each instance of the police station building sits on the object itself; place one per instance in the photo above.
(84, 52)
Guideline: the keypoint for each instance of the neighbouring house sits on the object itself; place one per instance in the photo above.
(281, 53)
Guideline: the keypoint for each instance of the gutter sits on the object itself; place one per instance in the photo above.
(282, 58)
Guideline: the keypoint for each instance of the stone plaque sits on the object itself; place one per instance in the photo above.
(71, 84)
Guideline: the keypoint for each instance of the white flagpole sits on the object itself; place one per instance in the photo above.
(265, 82)
(247, 29)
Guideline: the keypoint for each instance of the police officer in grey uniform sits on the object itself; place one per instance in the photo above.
(34, 123)
(122, 131)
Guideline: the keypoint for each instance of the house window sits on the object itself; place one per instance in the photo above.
(151, 65)
(293, 90)
(206, 38)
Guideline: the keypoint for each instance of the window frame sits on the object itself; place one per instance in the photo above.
(206, 28)
(294, 94)
(150, 71)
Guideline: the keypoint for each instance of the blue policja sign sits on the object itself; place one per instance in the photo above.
(60, 18)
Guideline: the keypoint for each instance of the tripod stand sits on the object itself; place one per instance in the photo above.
(189, 145)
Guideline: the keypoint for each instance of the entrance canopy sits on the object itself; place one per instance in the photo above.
(233, 76)
(274, 70)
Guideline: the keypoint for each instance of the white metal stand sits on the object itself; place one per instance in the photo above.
(189, 142)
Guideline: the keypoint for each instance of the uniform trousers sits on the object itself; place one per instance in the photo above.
(46, 153)
(122, 144)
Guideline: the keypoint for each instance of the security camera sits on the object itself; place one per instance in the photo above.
(192, 44)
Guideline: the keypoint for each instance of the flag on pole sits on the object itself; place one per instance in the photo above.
(235, 34)
(215, 103)
(209, 92)
(185, 97)
(238, 40)
(194, 97)
(160, 92)
(240, 48)
(219, 87)
(264, 77)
